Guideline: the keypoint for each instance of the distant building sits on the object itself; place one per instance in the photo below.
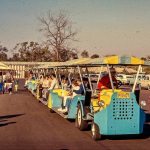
(21, 67)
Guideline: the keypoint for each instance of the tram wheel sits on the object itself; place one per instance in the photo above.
(95, 132)
(51, 110)
(79, 122)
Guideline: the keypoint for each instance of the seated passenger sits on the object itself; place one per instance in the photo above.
(81, 87)
(105, 83)
(40, 85)
(77, 89)
(45, 87)
(1, 85)
(54, 82)
(86, 83)
(65, 85)
(9, 86)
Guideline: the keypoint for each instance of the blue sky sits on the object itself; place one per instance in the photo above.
(104, 26)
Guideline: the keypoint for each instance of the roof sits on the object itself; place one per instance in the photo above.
(111, 60)
(4, 67)
(114, 60)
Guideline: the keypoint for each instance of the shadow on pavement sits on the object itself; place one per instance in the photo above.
(11, 116)
(3, 121)
(5, 124)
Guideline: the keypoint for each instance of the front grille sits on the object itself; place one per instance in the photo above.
(123, 109)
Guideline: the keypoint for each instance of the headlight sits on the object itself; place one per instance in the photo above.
(101, 103)
(143, 103)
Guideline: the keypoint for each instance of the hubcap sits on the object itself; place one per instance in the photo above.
(93, 129)
(79, 117)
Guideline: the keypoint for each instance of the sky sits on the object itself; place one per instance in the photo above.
(104, 26)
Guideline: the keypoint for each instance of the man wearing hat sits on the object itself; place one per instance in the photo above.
(105, 83)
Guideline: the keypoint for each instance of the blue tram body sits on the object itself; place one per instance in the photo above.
(122, 116)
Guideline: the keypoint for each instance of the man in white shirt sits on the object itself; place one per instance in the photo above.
(54, 83)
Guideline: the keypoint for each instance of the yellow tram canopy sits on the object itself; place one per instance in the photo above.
(113, 60)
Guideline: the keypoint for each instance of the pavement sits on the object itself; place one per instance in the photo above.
(26, 124)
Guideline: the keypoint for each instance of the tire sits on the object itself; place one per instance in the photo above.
(95, 132)
(79, 122)
(51, 110)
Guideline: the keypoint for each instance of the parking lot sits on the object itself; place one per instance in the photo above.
(27, 124)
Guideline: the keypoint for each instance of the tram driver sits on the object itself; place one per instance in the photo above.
(105, 83)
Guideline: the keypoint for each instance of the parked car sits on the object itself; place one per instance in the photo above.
(145, 83)
(125, 79)
(140, 78)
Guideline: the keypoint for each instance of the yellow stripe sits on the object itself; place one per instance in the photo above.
(111, 60)
(135, 60)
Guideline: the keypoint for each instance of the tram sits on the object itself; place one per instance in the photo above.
(113, 111)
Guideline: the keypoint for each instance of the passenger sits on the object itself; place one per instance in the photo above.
(40, 85)
(45, 86)
(54, 82)
(9, 86)
(86, 83)
(105, 83)
(67, 99)
(81, 88)
(1, 85)
(65, 83)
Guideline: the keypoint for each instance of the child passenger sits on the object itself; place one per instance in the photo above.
(9, 86)
(71, 95)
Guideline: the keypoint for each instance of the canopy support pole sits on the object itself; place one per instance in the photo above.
(99, 75)
(135, 82)
(110, 77)
(81, 78)
(89, 79)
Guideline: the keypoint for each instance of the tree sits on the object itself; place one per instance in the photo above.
(3, 53)
(146, 69)
(147, 58)
(59, 33)
(31, 51)
(85, 54)
(109, 55)
(95, 56)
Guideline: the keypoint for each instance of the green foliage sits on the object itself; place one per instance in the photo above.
(146, 69)
(31, 51)
(95, 56)
(85, 54)
(3, 53)
(57, 28)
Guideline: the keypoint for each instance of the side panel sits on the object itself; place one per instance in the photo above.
(54, 100)
(73, 106)
(49, 104)
(122, 116)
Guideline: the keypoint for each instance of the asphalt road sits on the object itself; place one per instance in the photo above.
(26, 124)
